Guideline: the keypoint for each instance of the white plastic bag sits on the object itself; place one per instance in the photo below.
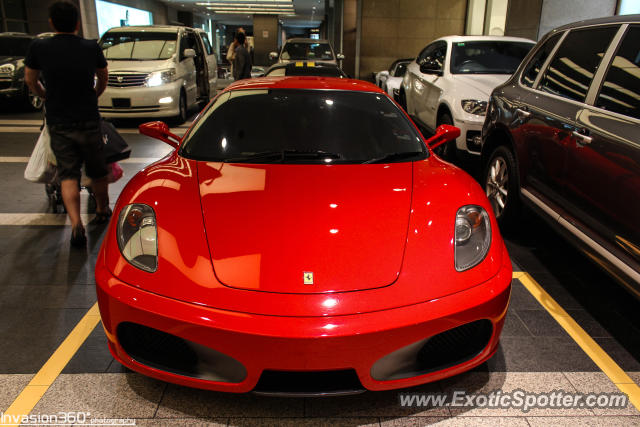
(41, 166)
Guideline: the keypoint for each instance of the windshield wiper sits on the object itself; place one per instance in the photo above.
(283, 155)
(263, 155)
(394, 156)
(310, 154)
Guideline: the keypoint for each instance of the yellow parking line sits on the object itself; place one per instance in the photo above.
(611, 369)
(40, 383)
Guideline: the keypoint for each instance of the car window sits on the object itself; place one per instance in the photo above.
(207, 45)
(324, 123)
(535, 64)
(571, 70)
(435, 52)
(488, 57)
(310, 51)
(400, 70)
(138, 45)
(621, 89)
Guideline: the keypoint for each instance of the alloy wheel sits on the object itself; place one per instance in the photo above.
(497, 185)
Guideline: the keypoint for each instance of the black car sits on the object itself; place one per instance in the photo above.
(563, 136)
(13, 49)
(306, 68)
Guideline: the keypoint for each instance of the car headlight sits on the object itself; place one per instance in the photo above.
(472, 236)
(137, 236)
(7, 69)
(473, 106)
(158, 78)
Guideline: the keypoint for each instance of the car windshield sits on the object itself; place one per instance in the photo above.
(138, 46)
(488, 57)
(311, 51)
(303, 126)
(14, 46)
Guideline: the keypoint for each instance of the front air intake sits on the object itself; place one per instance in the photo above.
(441, 351)
(170, 353)
(312, 383)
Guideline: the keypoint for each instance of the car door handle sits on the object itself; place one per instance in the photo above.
(582, 139)
(523, 113)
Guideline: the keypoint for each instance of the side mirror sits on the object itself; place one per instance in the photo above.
(431, 67)
(189, 53)
(273, 56)
(160, 130)
(340, 56)
(384, 73)
(444, 134)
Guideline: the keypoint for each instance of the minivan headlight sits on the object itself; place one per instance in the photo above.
(473, 106)
(472, 236)
(158, 78)
(137, 236)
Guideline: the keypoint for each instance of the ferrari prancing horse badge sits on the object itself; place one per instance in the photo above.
(308, 277)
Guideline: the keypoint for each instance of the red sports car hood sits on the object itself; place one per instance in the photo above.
(306, 228)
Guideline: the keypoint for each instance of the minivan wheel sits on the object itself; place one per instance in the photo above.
(502, 187)
(182, 105)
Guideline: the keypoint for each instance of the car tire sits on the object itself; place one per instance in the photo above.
(502, 186)
(182, 109)
(446, 151)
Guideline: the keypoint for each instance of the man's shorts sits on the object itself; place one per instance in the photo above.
(75, 143)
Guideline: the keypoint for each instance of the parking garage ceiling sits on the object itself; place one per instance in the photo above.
(295, 13)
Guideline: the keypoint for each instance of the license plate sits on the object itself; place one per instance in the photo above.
(121, 102)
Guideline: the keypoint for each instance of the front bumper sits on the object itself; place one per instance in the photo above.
(143, 101)
(301, 344)
(470, 128)
(11, 88)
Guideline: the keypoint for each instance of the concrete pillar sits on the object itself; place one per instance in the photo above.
(523, 18)
(265, 37)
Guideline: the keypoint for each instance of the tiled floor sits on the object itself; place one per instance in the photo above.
(45, 288)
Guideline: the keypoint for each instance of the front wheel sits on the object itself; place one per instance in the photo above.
(502, 187)
(182, 109)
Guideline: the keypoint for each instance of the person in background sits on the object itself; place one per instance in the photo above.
(71, 66)
(242, 61)
(231, 52)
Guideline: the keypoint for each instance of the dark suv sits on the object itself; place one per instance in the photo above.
(563, 136)
(13, 49)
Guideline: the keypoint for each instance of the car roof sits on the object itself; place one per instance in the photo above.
(454, 39)
(154, 28)
(305, 82)
(618, 19)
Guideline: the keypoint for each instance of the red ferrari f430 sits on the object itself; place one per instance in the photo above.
(302, 239)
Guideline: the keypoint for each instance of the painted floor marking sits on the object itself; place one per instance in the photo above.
(53, 219)
(610, 368)
(40, 383)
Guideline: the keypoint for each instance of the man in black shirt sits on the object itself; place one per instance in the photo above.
(242, 60)
(69, 64)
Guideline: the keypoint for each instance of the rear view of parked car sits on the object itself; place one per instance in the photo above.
(157, 71)
(562, 135)
(13, 49)
(450, 82)
(301, 49)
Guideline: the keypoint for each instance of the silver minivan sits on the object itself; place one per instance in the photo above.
(157, 71)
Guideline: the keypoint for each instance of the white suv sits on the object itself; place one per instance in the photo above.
(451, 80)
(300, 49)
(157, 71)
